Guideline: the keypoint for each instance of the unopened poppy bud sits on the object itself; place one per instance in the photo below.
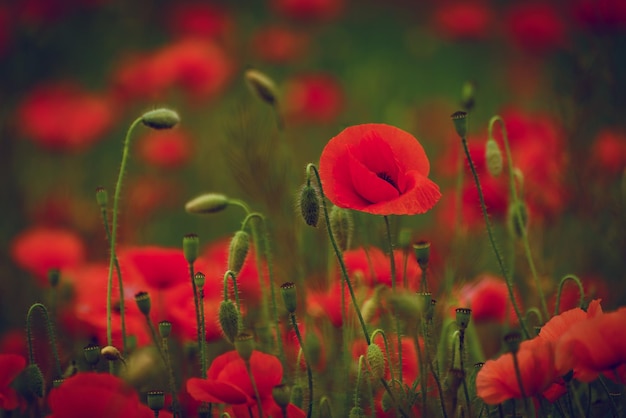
(92, 354)
(199, 279)
(309, 205)
(356, 412)
(281, 394)
(111, 353)
(386, 403)
(342, 226)
(463, 316)
(376, 361)
(165, 329)
(191, 247)
(404, 238)
(102, 197)
(460, 123)
(238, 251)
(54, 275)
(261, 85)
(156, 400)
(512, 341)
(517, 219)
(297, 395)
(422, 253)
(493, 157)
(142, 299)
(207, 203)
(288, 292)
(160, 119)
(244, 344)
(467, 95)
(33, 382)
(229, 319)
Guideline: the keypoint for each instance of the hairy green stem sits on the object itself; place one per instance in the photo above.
(562, 282)
(309, 374)
(392, 259)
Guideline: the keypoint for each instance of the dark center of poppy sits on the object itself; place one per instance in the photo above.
(388, 179)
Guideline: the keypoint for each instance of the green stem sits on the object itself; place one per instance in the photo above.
(116, 199)
(196, 304)
(515, 198)
(492, 238)
(392, 259)
(51, 336)
(255, 388)
(203, 360)
(170, 375)
(462, 360)
(309, 374)
(581, 291)
(432, 371)
(233, 277)
(518, 374)
(311, 167)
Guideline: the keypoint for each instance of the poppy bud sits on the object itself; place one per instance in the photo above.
(288, 292)
(281, 394)
(463, 316)
(356, 412)
(422, 253)
(493, 157)
(142, 299)
(92, 354)
(207, 203)
(102, 197)
(54, 275)
(261, 85)
(165, 329)
(31, 382)
(191, 244)
(111, 353)
(244, 344)
(198, 279)
(460, 123)
(376, 360)
(297, 395)
(386, 403)
(309, 203)
(156, 400)
(229, 319)
(517, 219)
(238, 251)
(342, 226)
(160, 118)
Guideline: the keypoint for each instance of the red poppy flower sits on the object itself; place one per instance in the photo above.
(96, 395)
(64, 117)
(10, 366)
(313, 98)
(601, 16)
(40, 249)
(536, 27)
(169, 149)
(378, 169)
(463, 20)
(497, 381)
(488, 298)
(309, 10)
(278, 44)
(228, 382)
(199, 19)
(608, 152)
(160, 267)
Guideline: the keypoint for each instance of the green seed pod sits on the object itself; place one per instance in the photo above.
(357, 412)
(165, 329)
(191, 247)
(460, 123)
(102, 197)
(199, 279)
(229, 319)
(239, 246)
(342, 226)
(422, 253)
(463, 316)
(376, 361)
(142, 299)
(92, 354)
(309, 203)
(33, 383)
(261, 85)
(244, 344)
(288, 292)
(281, 395)
(207, 203)
(297, 395)
(156, 400)
(160, 119)
(517, 219)
(493, 157)
(513, 340)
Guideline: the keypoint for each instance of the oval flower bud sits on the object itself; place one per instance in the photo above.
(493, 157)
(261, 85)
(229, 319)
(309, 204)
(207, 203)
(376, 360)
(238, 251)
(160, 118)
(342, 226)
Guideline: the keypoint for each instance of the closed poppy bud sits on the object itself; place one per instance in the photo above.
(297, 395)
(165, 329)
(493, 157)
(160, 118)
(92, 354)
(207, 203)
(261, 85)
(156, 400)
(460, 123)
(281, 395)
(422, 253)
(342, 226)
(102, 197)
(142, 299)
(463, 316)
(244, 344)
(376, 361)
(309, 203)
(238, 251)
(517, 219)
(229, 319)
(357, 412)
(30, 382)
(191, 244)
(111, 353)
(288, 292)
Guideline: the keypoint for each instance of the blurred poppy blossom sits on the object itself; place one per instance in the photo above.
(199, 19)
(10, 366)
(536, 27)
(378, 169)
(169, 149)
(463, 20)
(313, 98)
(309, 10)
(279, 44)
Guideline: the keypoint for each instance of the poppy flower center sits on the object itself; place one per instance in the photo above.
(388, 179)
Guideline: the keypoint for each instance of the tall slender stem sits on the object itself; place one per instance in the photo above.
(309, 374)
(392, 259)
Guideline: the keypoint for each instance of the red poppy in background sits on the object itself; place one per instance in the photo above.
(601, 16)
(463, 20)
(96, 395)
(378, 169)
(279, 44)
(199, 19)
(160, 267)
(309, 10)
(313, 98)
(536, 27)
(228, 382)
(64, 117)
(40, 249)
(169, 149)
(608, 152)
(10, 366)
(497, 381)
(489, 300)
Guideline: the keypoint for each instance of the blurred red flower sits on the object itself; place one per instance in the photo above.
(228, 382)
(378, 169)
(10, 366)
(488, 297)
(169, 149)
(535, 27)
(97, 395)
(309, 10)
(601, 15)
(64, 117)
(279, 44)
(313, 98)
(497, 381)
(40, 249)
(160, 267)
(608, 152)
(463, 20)
(199, 19)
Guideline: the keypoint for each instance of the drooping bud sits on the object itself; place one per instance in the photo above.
(160, 118)
(512, 341)
(156, 400)
(261, 85)
(92, 354)
(281, 394)
(207, 203)
(165, 329)
(342, 226)
(463, 316)
(111, 353)
(517, 219)
(467, 95)
(54, 275)
(422, 253)
(199, 279)
(376, 361)
(493, 157)
(244, 344)
(229, 319)
(191, 247)
(238, 251)
(288, 292)
(460, 123)
(309, 203)
(142, 299)
(102, 197)
(31, 382)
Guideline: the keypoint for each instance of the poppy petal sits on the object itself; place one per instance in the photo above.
(216, 392)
